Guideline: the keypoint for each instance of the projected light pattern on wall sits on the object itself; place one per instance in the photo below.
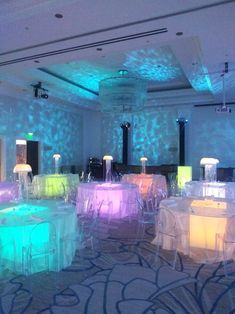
(154, 64)
(212, 139)
(57, 131)
(153, 135)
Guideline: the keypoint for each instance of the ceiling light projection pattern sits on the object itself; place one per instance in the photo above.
(154, 64)
(83, 73)
(199, 78)
(217, 82)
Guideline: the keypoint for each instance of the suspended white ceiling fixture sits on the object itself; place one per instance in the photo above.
(122, 93)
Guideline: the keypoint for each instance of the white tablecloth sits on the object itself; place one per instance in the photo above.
(154, 183)
(216, 189)
(199, 222)
(53, 185)
(17, 221)
(8, 191)
(118, 199)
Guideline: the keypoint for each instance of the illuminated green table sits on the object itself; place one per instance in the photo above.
(17, 220)
(54, 185)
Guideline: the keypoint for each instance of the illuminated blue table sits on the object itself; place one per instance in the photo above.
(17, 220)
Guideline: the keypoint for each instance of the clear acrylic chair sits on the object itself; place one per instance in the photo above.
(41, 253)
(7, 257)
(89, 226)
(168, 233)
(147, 215)
(228, 240)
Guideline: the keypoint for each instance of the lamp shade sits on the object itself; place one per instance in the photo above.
(108, 157)
(22, 168)
(209, 161)
(143, 159)
(56, 156)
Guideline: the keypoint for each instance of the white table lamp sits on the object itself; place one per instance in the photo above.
(143, 164)
(57, 159)
(210, 168)
(22, 170)
(108, 173)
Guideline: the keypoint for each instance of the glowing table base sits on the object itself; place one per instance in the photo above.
(201, 226)
(118, 200)
(145, 182)
(16, 224)
(53, 185)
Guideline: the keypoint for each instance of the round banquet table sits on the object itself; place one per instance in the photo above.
(115, 199)
(53, 185)
(216, 189)
(17, 220)
(146, 182)
(8, 191)
(201, 224)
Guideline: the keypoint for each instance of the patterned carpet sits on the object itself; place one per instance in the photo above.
(122, 275)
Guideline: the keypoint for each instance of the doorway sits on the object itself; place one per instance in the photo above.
(27, 152)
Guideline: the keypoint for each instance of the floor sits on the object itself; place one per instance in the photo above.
(122, 276)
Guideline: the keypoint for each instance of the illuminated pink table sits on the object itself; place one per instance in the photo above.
(8, 191)
(117, 199)
(155, 183)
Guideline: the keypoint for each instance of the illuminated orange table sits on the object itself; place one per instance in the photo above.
(146, 182)
(202, 225)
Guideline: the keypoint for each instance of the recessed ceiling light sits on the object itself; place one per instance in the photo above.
(26, 28)
(179, 33)
(59, 15)
(99, 49)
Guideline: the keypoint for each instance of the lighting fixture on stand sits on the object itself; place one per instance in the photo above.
(122, 93)
(39, 91)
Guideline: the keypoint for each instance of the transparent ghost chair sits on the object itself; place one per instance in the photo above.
(168, 233)
(147, 215)
(41, 253)
(7, 257)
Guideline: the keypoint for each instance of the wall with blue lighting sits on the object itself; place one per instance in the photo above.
(57, 130)
(156, 134)
(153, 134)
(211, 135)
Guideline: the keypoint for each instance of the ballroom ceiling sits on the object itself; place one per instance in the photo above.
(179, 47)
